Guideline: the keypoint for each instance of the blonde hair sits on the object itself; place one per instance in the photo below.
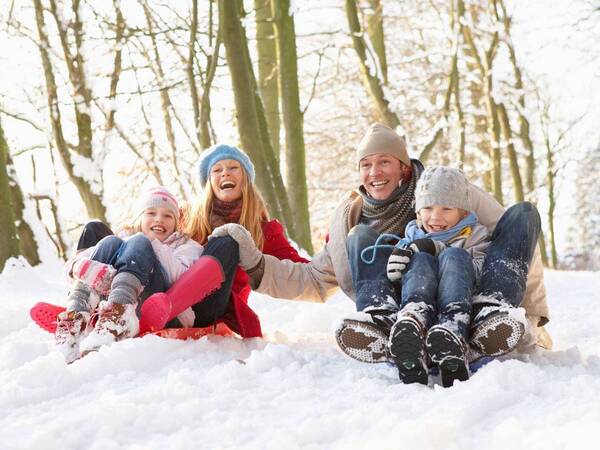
(134, 225)
(131, 226)
(254, 212)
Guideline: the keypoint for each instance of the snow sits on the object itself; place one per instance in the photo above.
(292, 389)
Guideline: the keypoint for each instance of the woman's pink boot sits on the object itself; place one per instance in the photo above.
(201, 279)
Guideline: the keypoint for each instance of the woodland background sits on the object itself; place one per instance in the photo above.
(100, 100)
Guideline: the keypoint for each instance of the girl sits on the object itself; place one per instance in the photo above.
(148, 257)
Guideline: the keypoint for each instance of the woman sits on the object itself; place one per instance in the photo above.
(229, 196)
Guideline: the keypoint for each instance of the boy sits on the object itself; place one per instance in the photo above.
(436, 266)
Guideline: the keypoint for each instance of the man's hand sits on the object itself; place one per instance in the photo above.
(250, 255)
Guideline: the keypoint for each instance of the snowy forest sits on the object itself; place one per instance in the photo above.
(101, 99)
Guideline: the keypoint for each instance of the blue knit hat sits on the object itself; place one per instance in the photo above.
(220, 152)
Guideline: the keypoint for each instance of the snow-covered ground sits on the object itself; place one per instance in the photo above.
(292, 389)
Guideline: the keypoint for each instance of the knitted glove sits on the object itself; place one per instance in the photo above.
(424, 245)
(250, 255)
(398, 262)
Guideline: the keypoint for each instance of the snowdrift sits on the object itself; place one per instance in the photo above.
(292, 389)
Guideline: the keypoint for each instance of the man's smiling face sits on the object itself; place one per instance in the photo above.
(380, 174)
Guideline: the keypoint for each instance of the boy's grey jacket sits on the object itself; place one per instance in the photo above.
(330, 269)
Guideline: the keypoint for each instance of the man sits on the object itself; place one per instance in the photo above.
(512, 275)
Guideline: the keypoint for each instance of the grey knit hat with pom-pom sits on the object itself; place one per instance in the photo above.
(445, 186)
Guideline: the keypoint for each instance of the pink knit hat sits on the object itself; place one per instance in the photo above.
(159, 197)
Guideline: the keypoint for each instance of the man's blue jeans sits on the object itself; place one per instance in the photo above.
(370, 280)
(135, 256)
(506, 264)
(445, 284)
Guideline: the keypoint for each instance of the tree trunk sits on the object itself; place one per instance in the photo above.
(9, 241)
(475, 93)
(550, 174)
(91, 200)
(27, 242)
(372, 82)
(374, 17)
(484, 64)
(117, 64)
(76, 70)
(452, 83)
(524, 128)
(512, 153)
(293, 121)
(194, 97)
(165, 101)
(211, 68)
(251, 121)
(267, 70)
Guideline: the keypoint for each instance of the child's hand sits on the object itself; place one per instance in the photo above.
(398, 262)
(423, 245)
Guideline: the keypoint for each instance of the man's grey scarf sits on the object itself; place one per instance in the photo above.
(392, 214)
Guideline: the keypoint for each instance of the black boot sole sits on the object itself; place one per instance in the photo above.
(406, 347)
(448, 353)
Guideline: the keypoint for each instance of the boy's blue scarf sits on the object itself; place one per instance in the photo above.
(414, 232)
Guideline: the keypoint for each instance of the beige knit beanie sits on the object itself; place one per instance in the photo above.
(445, 186)
(382, 139)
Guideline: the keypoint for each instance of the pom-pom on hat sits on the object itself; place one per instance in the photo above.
(159, 197)
(445, 186)
(220, 152)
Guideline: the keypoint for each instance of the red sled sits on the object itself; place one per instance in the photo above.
(45, 314)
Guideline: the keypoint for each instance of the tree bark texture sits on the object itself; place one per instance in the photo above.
(251, 121)
(550, 175)
(9, 241)
(374, 16)
(27, 242)
(267, 70)
(371, 76)
(512, 153)
(293, 120)
(91, 200)
(211, 68)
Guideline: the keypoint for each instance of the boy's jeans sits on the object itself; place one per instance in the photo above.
(443, 285)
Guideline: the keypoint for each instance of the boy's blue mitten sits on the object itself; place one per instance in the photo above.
(398, 263)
